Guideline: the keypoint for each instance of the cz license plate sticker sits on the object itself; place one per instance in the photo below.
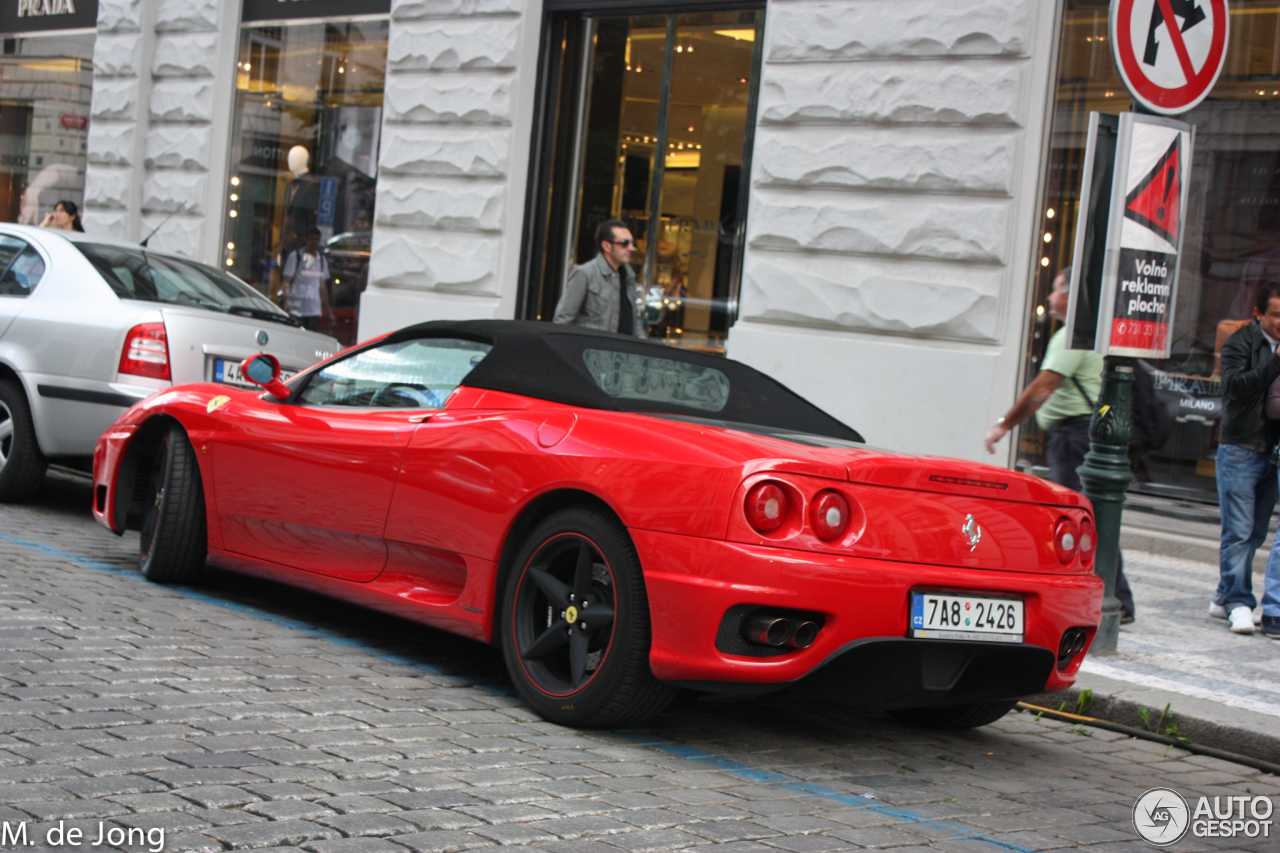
(941, 616)
(229, 372)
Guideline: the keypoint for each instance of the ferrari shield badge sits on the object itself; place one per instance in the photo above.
(971, 531)
(216, 403)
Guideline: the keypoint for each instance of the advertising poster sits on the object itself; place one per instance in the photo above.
(1148, 206)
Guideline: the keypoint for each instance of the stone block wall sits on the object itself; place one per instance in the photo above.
(160, 118)
(889, 135)
(444, 228)
(892, 215)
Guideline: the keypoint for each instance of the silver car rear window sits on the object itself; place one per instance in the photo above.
(138, 274)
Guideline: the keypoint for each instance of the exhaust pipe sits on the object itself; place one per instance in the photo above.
(1072, 644)
(765, 630)
(803, 635)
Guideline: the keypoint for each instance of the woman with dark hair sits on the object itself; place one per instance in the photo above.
(65, 217)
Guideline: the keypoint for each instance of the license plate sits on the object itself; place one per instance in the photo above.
(940, 616)
(229, 372)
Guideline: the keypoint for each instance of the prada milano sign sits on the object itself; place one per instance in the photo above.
(28, 16)
(31, 16)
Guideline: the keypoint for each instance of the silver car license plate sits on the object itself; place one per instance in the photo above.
(228, 372)
(944, 616)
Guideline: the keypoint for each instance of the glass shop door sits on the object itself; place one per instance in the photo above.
(647, 119)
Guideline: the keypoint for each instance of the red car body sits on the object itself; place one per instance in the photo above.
(421, 512)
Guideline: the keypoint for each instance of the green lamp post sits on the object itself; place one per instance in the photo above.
(1105, 477)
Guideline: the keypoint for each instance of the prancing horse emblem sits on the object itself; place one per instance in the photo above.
(971, 531)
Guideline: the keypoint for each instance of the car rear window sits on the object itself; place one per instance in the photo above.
(24, 270)
(138, 274)
(635, 376)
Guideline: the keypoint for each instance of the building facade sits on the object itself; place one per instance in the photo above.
(865, 198)
(46, 81)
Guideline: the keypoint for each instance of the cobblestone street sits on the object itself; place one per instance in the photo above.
(246, 715)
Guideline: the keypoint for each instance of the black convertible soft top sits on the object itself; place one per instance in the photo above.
(550, 362)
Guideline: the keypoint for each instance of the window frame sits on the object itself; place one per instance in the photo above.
(39, 250)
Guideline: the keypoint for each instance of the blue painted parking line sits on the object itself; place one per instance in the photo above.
(744, 771)
(777, 780)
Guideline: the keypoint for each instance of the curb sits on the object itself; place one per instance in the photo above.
(1184, 744)
(1196, 548)
(1212, 733)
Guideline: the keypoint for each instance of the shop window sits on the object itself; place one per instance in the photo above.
(45, 86)
(647, 119)
(1232, 233)
(304, 155)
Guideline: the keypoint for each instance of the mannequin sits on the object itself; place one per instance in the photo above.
(354, 164)
(299, 161)
(301, 198)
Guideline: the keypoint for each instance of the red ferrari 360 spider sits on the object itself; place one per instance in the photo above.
(622, 518)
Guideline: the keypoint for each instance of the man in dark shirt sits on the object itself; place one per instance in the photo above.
(1246, 475)
(602, 293)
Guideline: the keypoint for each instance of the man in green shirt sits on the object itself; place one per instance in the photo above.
(1061, 397)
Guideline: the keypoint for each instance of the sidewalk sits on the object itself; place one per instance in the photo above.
(1223, 689)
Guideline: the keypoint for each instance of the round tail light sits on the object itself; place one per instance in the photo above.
(1066, 539)
(829, 515)
(1088, 542)
(766, 507)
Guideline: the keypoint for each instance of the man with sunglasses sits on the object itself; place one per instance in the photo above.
(602, 293)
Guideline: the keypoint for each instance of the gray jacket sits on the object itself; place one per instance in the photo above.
(591, 298)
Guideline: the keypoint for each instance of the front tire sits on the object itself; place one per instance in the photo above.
(173, 543)
(955, 718)
(22, 465)
(575, 624)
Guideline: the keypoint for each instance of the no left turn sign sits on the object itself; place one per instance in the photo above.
(1169, 52)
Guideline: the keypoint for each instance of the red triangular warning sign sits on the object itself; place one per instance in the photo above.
(1157, 199)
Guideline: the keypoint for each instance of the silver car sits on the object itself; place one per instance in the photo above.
(90, 326)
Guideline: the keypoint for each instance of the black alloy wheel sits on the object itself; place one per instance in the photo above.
(575, 626)
(173, 542)
(22, 465)
(956, 717)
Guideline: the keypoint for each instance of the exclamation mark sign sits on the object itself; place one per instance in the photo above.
(1168, 185)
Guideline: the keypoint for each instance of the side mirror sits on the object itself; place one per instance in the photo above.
(263, 369)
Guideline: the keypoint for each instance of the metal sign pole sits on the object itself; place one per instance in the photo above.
(1128, 243)
(1143, 227)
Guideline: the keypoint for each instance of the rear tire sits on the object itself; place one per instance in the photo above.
(575, 624)
(173, 544)
(22, 465)
(958, 717)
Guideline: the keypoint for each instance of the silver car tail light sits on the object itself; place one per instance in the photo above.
(146, 352)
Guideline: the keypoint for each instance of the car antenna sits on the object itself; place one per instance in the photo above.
(181, 205)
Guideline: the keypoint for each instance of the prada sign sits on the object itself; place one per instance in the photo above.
(279, 10)
(33, 16)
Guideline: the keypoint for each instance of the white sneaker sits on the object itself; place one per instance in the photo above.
(1217, 611)
(1241, 620)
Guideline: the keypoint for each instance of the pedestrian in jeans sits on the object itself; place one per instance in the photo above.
(1061, 397)
(1247, 485)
